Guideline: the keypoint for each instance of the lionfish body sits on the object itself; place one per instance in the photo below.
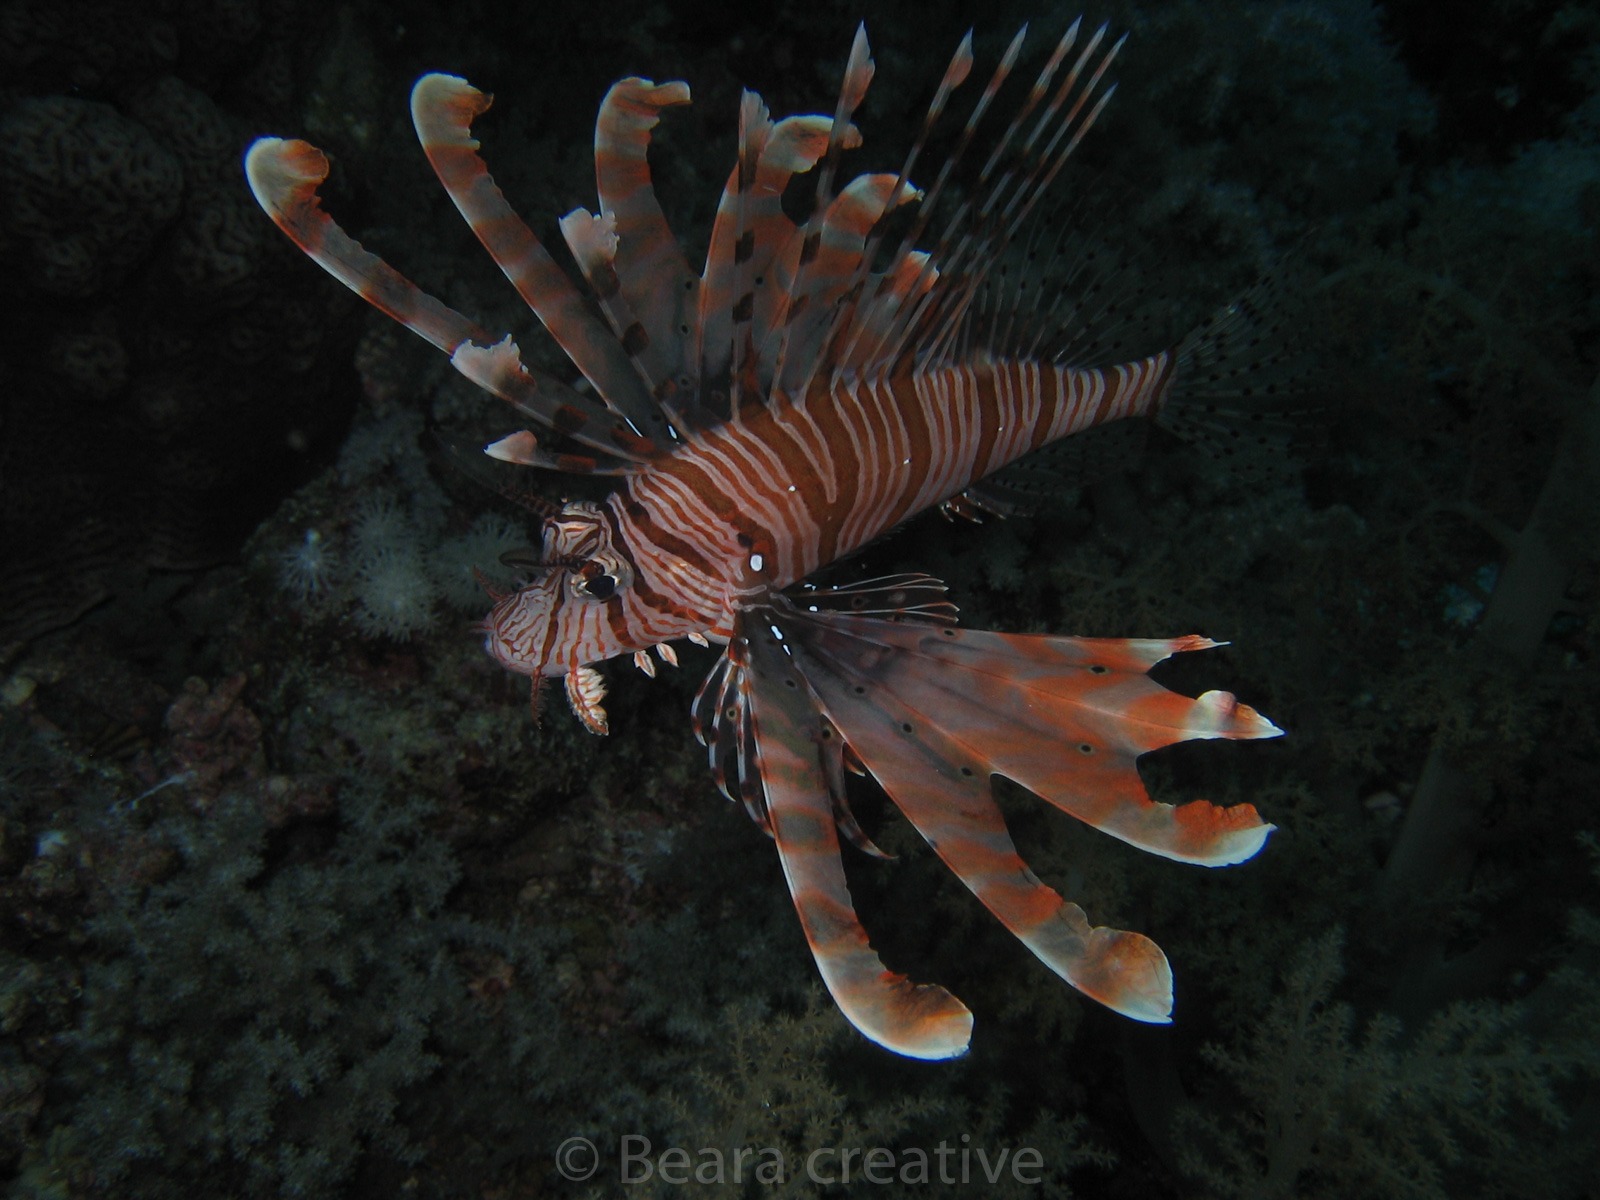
(778, 410)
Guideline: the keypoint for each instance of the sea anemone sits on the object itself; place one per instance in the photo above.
(306, 569)
(395, 595)
(456, 563)
(381, 527)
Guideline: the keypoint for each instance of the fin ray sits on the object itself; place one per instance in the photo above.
(443, 108)
(919, 1020)
(285, 174)
(654, 275)
(1064, 717)
(942, 788)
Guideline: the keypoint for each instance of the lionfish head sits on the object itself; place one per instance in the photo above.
(555, 623)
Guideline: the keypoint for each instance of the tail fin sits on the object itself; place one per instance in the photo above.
(1244, 388)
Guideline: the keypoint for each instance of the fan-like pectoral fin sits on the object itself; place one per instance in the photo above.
(943, 787)
(284, 174)
(1066, 718)
(443, 108)
(652, 272)
(918, 1020)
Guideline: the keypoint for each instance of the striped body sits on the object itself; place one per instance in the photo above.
(805, 484)
(781, 409)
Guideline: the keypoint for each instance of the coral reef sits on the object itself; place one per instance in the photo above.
(168, 368)
(1331, 1110)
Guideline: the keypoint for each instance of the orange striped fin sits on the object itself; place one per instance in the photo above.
(836, 254)
(593, 242)
(284, 176)
(654, 276)
(814, 683)
(919, 1020)
(942, 784)
(871, 324)
(443, 108)
(1063, 717)
(500, 371)
(724, 335)
(723, 725)
(736, 261)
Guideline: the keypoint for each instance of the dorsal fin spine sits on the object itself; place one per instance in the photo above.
(987, 233)
(1041, 86)
(443, 108)
(655, 276)
(839, 248)
(593, 242)
(754, 130)
(909, 316)
(955, 74)
(857, 77)
(1041, 177)
(285, 175)
(858, 73)
(792, 146)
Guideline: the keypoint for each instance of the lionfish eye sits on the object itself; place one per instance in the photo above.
(601, 587)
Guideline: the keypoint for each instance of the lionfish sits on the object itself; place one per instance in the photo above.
(819, 382)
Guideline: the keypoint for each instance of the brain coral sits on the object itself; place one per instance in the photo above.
(145, 301)
(84, 190)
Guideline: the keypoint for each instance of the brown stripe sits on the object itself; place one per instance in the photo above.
(648, 596)
(657, 536)
(566, 419)
(990, 417)
(1108, 397)
(603, 279)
